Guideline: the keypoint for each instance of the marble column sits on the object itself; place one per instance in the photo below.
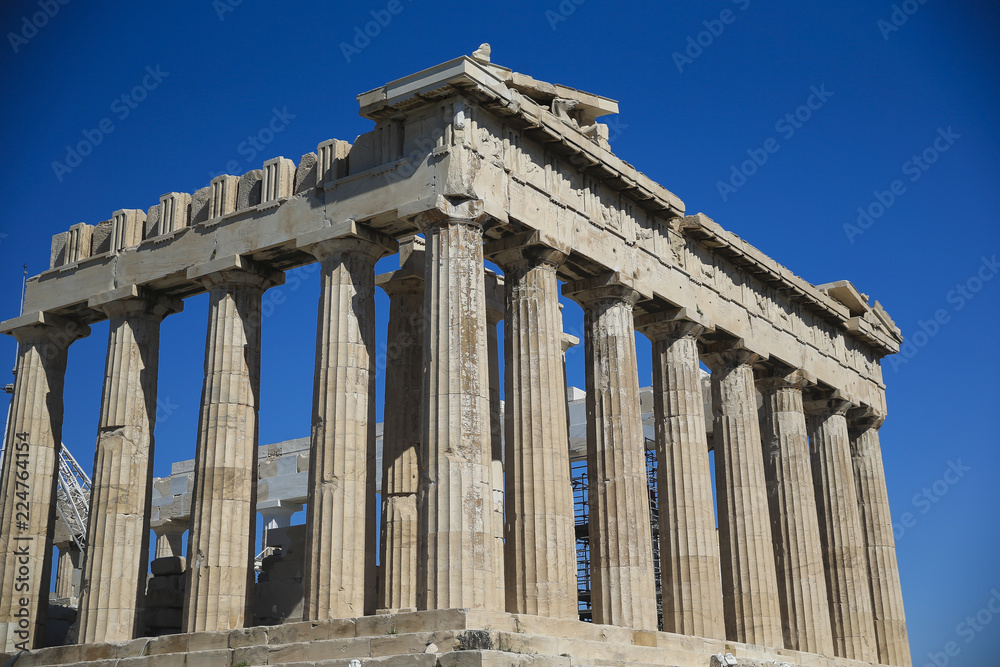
(751, 603)
(403, 432)
(540, 537)
(169, 538)
(691, 583)
(623, 587)
(798, 555)
(221, 541)
(456, 566)
(495, 315)
(116, 562)
(840, 530)
(66, 566)
(339, 575)
(28, 482)
(876, 524)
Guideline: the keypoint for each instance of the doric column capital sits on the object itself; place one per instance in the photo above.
(528, 250)
(671, 324)
(610, 287)
(470, 212)
(349, 237)
(568, 341)
(863, 418)
(135, 301)
(170, 526)
(39, 326)
(398, 283)
(774, 376)
(730, 354)
(235, 271)
(826, 403)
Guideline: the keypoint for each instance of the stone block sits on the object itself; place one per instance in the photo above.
(200, 205)
(223, 198)
(168, 565)
(179, 484)
(369, 626)
(243, 637)
(278, 180)
(308, 631)
(208, 641)
(500, 659)
(415, 642)
(78, 243)
(152, 221)
(354, 647)
(174, 213)
(164, 598)
(101, 240)
(332, 157)
(416, 660)
(58, 252)
(305, 175)
(250, 655)
(213, 658)
(127, 228)
(166, 660)
(248, 190)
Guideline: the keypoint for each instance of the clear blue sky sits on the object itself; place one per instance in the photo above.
(887, 95)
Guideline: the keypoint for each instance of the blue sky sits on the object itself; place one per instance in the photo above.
(902, 126)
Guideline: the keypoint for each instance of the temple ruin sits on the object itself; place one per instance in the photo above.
(478, 561)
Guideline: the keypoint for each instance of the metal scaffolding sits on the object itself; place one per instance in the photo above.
(578, 472)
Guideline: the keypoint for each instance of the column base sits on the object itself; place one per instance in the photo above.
(439, 638)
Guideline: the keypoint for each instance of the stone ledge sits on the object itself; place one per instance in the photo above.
(442, 638)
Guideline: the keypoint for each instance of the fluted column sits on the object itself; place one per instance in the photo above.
(840, 530)
(623, 587)
(540, 537)
(876, 524)
(798, 554)
(339, 576)
(113, 584)
(494, 315)
(752, 610)
(689, 545)
(403, 432)
(221, 541)
(456, 564)
(28, 482)
(69, 561)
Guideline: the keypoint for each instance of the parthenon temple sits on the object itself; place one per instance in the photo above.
(755, 531)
